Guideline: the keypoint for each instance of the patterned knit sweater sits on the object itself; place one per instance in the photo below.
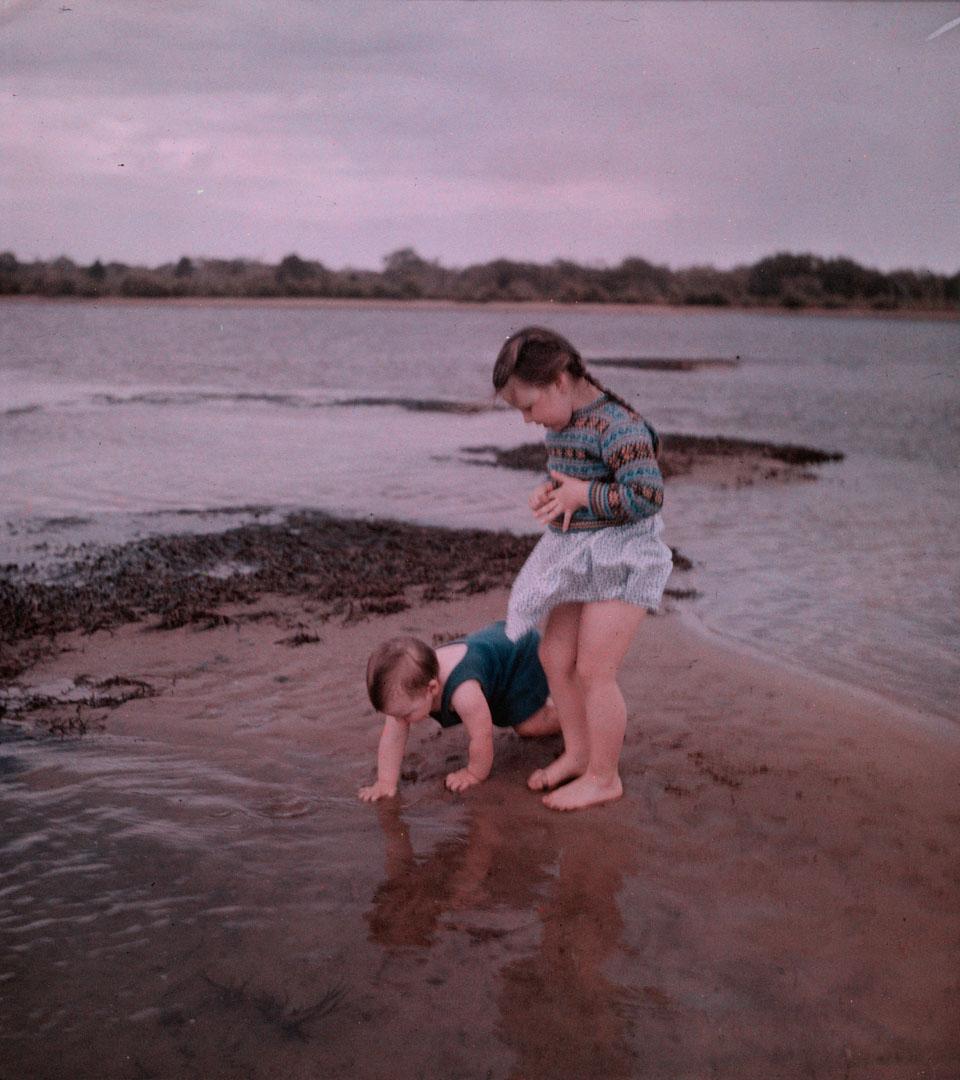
(615, 450)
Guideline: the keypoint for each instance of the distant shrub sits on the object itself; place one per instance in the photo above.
(786, 280)
(707, 299)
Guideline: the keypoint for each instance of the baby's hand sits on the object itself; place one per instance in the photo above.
(461, 780)
(374, 792)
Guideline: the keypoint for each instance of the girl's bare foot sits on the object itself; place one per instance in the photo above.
(564, 768)
(583, 792)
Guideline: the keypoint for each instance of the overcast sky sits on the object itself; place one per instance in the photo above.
(684, 133)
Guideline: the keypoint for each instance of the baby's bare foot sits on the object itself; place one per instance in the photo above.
(564, 768)
(544, 722)
(583, 792)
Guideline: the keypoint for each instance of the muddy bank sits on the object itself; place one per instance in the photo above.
(666, 363)
(344, 569)
(714, 458)
(347, 571)
(338, 567)
(197, 891)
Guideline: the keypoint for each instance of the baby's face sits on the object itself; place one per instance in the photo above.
(409, 708)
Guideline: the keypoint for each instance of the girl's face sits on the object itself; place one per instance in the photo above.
(411, 708)
(550, 406)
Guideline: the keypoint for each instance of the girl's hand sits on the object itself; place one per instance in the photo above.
(568, 495)
(540, 495)
(374, 792)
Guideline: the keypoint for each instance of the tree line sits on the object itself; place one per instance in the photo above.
(783, 280)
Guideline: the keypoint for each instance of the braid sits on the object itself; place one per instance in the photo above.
(655, 438)
(610, 394)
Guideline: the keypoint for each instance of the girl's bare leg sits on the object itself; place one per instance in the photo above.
(605, 632)
(558, 654)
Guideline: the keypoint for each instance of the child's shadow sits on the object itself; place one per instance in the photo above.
(549, 879)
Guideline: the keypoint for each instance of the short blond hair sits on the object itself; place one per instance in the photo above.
(406, 662)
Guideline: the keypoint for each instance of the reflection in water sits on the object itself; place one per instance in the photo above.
(522, 881)
(409, 903)
(563, 1015)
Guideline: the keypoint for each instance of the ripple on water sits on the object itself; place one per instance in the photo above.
(294, 807)
(10, 766)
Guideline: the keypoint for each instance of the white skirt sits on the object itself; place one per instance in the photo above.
(619, 562)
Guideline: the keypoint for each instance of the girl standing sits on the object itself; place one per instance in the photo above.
(599, 565)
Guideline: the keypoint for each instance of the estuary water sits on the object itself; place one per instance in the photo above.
(119, 419)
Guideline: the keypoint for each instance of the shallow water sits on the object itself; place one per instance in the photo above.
(151, 895)
(172, 914)
(118, 420)
(214, 903)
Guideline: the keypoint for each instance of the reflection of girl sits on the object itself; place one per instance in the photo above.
(568, 975)
(600, 564)
(555, 925)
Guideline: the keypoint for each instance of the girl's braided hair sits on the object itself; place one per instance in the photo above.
(537, 356)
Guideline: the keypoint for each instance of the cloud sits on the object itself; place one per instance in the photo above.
(683, 132)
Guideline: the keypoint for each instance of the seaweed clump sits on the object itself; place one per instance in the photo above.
(679, 454)
(352, 568)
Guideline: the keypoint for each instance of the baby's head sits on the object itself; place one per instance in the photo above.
(402, 678)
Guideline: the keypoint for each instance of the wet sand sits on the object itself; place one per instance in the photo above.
(777, 894)
(191, 888)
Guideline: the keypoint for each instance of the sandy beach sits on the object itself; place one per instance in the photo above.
(193, 888)
(777, 894)
(294, 299)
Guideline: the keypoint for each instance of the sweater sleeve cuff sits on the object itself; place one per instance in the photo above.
(596, 498)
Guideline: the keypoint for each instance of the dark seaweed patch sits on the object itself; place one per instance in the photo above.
(722, 446)
(420, 404)
(666, 363)
(302, 637)
(276, 1012)
(350, 568)
(678, 454)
